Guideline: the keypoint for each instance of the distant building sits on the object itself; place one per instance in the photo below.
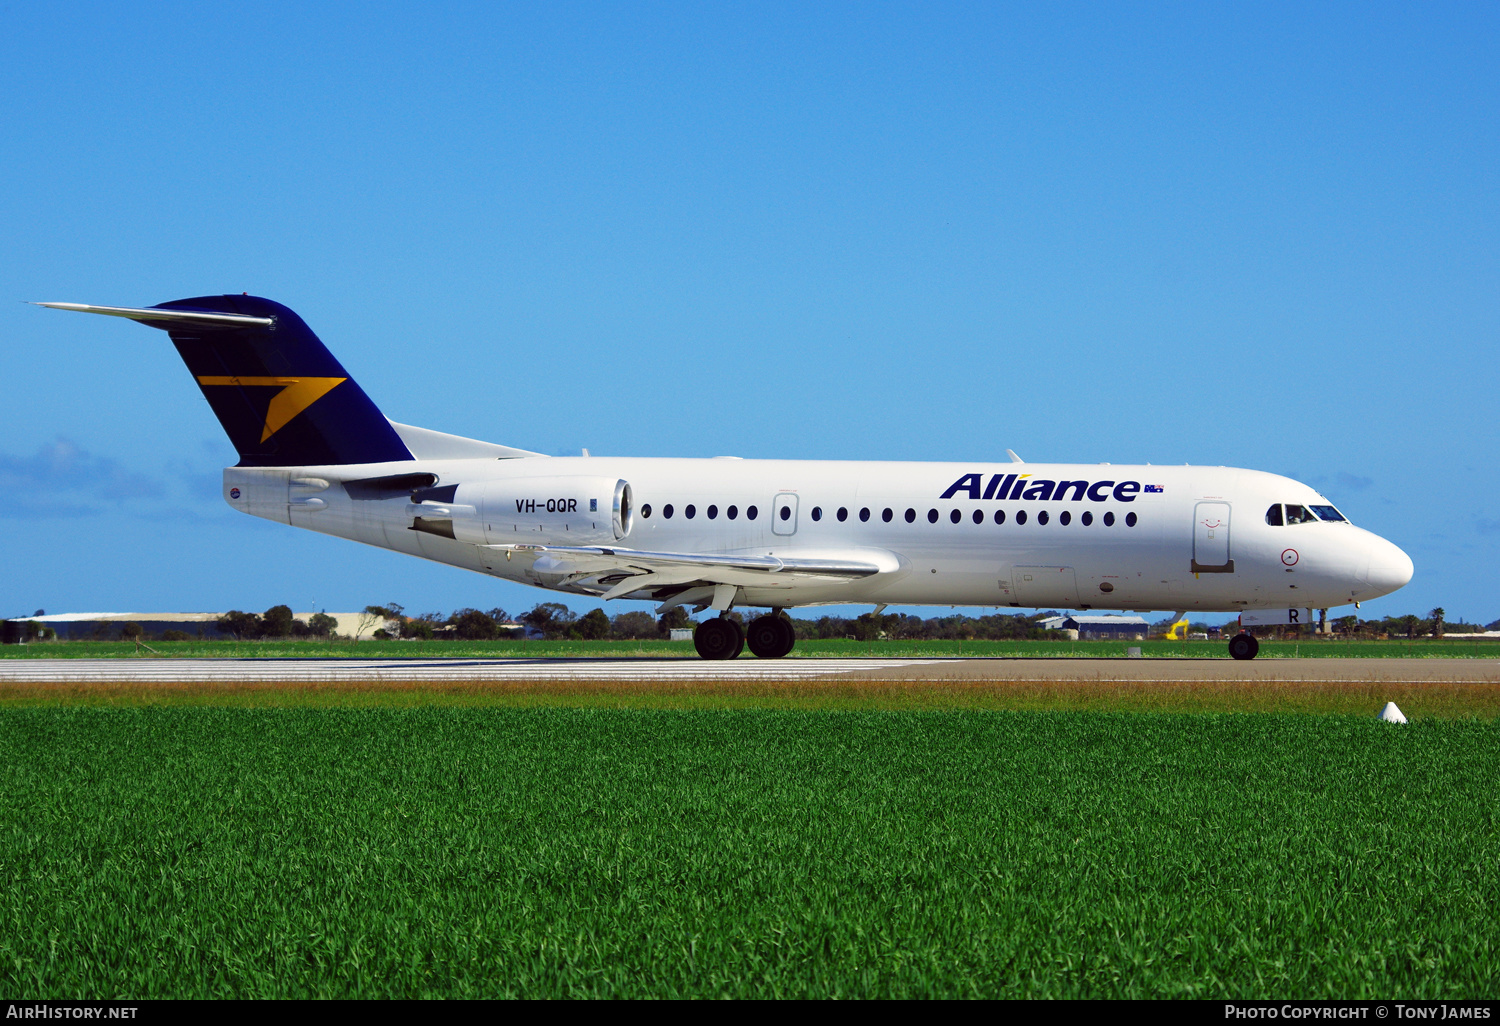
(1122, 627)
(106, 626)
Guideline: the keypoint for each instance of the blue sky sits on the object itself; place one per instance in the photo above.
(1254, 235)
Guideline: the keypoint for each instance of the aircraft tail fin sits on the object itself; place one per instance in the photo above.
(279, 393)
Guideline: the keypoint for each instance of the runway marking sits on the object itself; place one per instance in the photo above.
(63, 671)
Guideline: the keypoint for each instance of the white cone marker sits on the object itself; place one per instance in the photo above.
(1391, 714)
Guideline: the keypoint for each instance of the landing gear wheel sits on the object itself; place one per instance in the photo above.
(719, 638)
(1243, 646)
(771, 637)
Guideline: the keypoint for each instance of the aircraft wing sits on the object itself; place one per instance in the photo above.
(616, 573)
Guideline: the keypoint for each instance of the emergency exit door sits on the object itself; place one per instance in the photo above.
(1211, 554)
(784, 513)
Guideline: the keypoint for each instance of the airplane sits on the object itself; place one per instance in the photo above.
(726, 533)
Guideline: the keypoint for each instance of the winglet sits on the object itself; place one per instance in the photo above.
(1013, 457)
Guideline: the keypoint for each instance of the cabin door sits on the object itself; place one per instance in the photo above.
(1211, 539)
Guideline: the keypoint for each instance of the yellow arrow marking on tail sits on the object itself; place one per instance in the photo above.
(296, 395)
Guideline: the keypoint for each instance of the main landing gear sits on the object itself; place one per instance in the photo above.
(719, 638)
(770, 637)
(1243, 646)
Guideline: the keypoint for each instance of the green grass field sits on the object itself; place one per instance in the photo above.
(477, 852)
(1431, 648)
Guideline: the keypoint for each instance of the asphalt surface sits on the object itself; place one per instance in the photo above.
(153, 670)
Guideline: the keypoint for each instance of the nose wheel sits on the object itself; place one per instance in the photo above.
(771, 637)
(1243, 646)
(719, 638)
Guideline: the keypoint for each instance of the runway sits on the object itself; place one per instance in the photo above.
(153, 671)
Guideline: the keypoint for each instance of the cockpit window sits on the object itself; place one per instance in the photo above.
(1299, 515)
(1273, 515)
(1328, 513)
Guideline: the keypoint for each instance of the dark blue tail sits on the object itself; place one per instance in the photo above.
(281, 396)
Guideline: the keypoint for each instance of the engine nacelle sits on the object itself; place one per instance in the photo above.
(557, 510)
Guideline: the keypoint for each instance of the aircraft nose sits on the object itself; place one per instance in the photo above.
(1390, 568)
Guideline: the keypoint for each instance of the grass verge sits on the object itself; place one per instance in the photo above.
(1417, 700)
(585, 852)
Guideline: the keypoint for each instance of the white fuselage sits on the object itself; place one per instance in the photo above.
(1117, 537)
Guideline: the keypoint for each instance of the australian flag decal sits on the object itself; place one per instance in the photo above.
(1155, 488)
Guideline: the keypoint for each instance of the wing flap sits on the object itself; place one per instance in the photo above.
(651, 570)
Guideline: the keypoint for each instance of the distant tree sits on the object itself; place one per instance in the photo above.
(132, 631)
(1436, 616)
(174, 636)
(593, 625)
(867, 627)
(243, 626)
(633, 625)
(424, 626)
(374, 615)
(674, 619)
(321, 625)
(276, 622)
(472, 625)
(1411, 621)
(553, 619)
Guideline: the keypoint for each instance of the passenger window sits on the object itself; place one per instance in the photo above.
(955, 516)
(979, 516)
(751, 512)
(864, 514)
(1088, 519)
(1130, 519)
(732, 512)
(843, 514)
(1041, 518)
(1273, 515)
(932, 516)
(713, 511)
(646, 511)
(666, 511)
(1109, 520)
(886, 514)
(911, 515)
(1021, 516)
(817, 513)
(786, 512)
(1065, 518)
(690, 511)
(999, 516)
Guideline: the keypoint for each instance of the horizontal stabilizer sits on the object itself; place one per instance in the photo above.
(170, 318)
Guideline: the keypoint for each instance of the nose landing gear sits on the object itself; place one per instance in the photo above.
(1243, 646)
